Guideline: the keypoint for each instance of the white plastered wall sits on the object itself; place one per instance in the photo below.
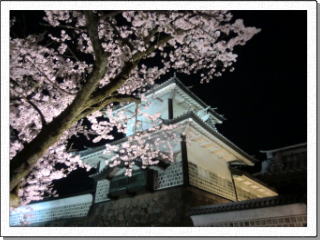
(203, 158)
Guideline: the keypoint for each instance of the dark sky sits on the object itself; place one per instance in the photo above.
(265, 98)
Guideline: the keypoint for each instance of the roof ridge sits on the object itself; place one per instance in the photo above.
(246, 204)
(285, 148)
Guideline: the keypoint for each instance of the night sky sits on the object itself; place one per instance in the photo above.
(265, 98)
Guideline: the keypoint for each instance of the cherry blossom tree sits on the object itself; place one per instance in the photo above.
(84, 64)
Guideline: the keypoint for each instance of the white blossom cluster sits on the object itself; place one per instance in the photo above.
(144, 148)
(48, 70)
(38, 183)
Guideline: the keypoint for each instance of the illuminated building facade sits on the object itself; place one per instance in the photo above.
(205, 172)
(286, 170)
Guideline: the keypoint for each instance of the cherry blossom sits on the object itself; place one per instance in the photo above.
(88, 63)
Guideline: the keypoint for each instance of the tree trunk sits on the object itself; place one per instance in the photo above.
(24, 161)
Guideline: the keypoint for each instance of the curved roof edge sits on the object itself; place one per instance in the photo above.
(175, 80)
(193, 116)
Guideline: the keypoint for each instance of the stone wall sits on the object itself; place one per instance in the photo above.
(161, 208)
(287, 215)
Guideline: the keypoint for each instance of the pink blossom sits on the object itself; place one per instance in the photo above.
(49, 77)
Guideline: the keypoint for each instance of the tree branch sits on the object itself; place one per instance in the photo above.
(112, 13)
(73, 54)
(151, 34)
(106, 102)
(23, 162)
(92, 27)
(62, 26)
(163, 40)
(49, 80)
(120, 79)
(43, 120)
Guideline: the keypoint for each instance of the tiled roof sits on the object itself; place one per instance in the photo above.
(243, 205)
(185, 89)
(210, 129)
(177, 120)
(190, 93)
(240, 172)
(285, 148)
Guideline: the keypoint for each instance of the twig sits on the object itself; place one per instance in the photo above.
(62, 26)
(73, 54)
(123, 40)
(27, 99)
(43, 120)
(53, 83)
